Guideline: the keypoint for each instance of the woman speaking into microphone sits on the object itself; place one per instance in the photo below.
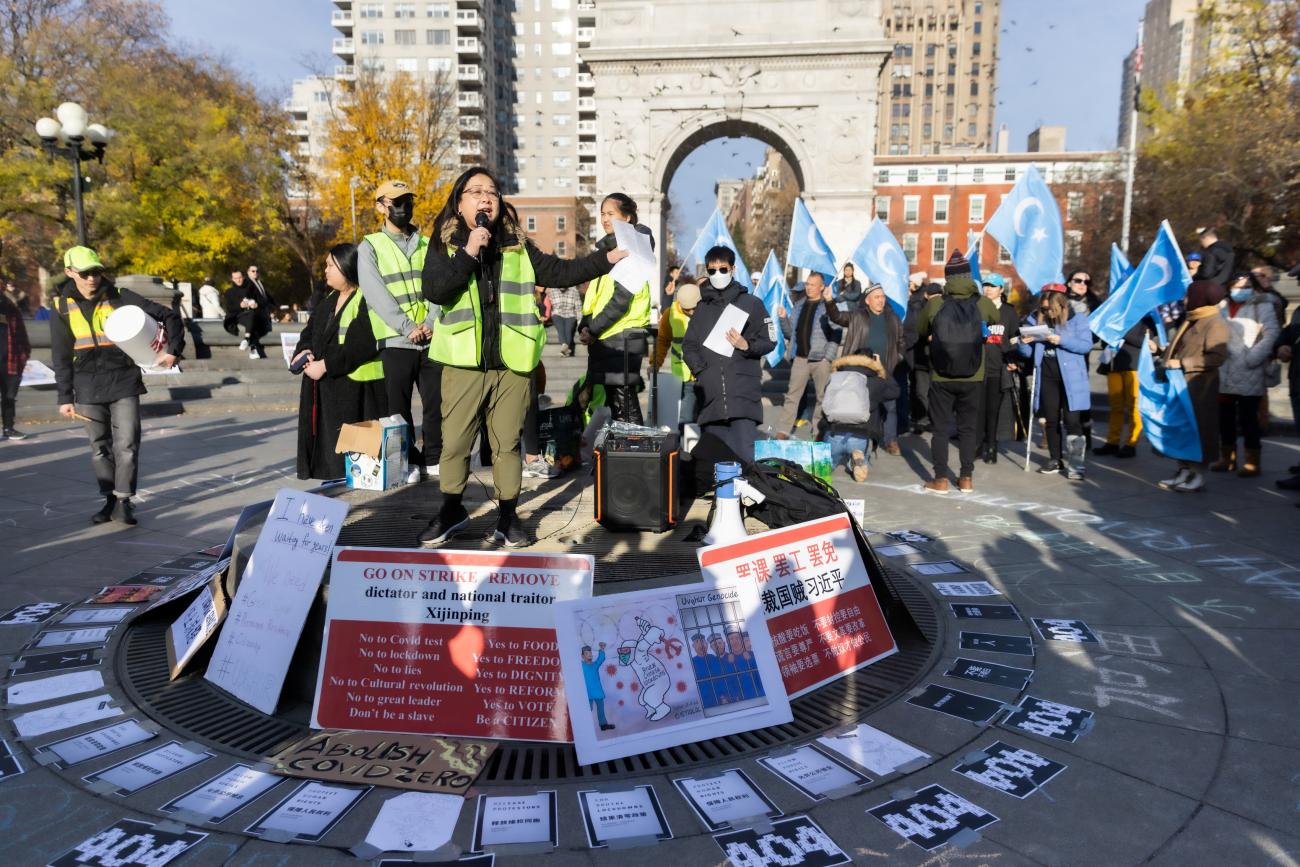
(481, 270)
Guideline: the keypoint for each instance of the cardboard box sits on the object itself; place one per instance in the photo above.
(814, 457)
(375, 453)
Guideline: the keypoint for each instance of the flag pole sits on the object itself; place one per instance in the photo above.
(1029, 422)
(1130, 167)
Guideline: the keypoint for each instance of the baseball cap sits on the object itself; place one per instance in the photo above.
(688, 296)
(82, 259)
(393, 190)
(1053, 287)
(993, 280)
(1193, 257)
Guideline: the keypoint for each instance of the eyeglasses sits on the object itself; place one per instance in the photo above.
(1081, 280)
(723, 270)
(91, 274)
(481, 194)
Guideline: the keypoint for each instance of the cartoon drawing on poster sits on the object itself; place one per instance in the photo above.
(652, 695)
(932, 817)
(1020, 645)
(963, 611)
(130, 843)
(1075, 631)
(1050, 719)
(794, 842)
(1016, 772)
(990, 672)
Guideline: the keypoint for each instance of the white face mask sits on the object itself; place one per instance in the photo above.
(720, 280)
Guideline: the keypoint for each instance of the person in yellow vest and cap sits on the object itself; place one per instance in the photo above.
(97, 381)
(668, 344)
(342, 376)
(489, 338)
(614, 321)
(389, 264)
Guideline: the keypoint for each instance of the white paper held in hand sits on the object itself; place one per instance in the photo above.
(732, 317)
(639, 267)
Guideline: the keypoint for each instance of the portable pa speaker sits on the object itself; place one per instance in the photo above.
(636, 485)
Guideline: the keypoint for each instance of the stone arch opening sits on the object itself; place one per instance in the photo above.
(694, 134)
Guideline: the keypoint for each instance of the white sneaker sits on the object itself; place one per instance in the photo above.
(1178, 479)
(414, 475)
(540, 469)
(1193, 484)
(243, 344)
(254, 355)
(431, 472)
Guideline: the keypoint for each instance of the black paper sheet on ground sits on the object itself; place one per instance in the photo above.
(9, 764)
(794, 842)
(990, 672)
(58, 660)
(932, 817)
(1021, 645)
(32, 612)
(954, 702)
(1050, 719)
(129, 843)
(968, 611)
(1014, 771)
(1075, 631)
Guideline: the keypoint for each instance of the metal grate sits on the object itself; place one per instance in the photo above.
(193, 707)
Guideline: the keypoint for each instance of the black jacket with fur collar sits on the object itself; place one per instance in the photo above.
(446, 276)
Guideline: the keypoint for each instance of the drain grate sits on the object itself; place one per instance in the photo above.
(193, 707)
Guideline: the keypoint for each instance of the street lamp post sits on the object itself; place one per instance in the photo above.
(63, 137)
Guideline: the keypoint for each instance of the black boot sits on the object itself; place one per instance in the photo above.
(452, 518)
(104, 515)
(123, 513)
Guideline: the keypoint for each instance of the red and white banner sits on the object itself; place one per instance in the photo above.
(458, 643)
(823, 616)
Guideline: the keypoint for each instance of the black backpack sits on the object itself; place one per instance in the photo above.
(957, 350)
(793, 495)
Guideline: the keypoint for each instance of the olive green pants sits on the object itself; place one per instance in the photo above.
(471, 399)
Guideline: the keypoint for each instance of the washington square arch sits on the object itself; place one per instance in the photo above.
(799, 75)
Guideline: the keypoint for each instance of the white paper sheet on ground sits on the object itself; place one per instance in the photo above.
(873, 749)
(731, 317)
(504, 820)
(58, 686)
(96, 615)
(721, 799)
(225, 793)
(415, 822)
(65, 716)
(639, 267)
(813, 772)
(310, 811)
(626, 815)
(69, 637)
(965, 588)
(149, 767)
(101, 742)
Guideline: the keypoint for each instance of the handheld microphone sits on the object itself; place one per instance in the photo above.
(481, 220)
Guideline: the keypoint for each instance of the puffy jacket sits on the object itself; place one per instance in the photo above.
(956, 289)
(1217, 263)
(1254, 330)
(1076, 340)
(730, 386)
(824, 340)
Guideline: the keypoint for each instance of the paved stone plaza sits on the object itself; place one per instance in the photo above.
(1193, 758)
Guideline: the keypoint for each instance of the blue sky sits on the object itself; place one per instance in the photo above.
(1059, 64)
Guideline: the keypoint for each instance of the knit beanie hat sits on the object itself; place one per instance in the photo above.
(1204, 293)
(956, 265)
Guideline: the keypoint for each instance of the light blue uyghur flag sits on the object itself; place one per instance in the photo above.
(715, 234)
(1168, 419)
(1119, 267)
(1028, 225)
(973, 255)
(771, 291)
(808, 249)
(881, 258)
(1159, 278)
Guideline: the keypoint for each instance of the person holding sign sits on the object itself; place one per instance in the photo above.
(1060, 362)
(489, 338)
(724, 347)
(97, 381)
(342, 375)
(614, 319)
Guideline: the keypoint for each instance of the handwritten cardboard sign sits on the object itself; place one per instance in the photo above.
(417, 762)
(197, 623)
(276, 592)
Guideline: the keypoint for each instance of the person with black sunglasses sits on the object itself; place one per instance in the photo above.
(1083, 301)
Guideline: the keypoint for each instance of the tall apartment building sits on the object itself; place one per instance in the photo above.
(937, 90)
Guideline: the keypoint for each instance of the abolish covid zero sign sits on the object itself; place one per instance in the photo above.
(823, 616)
(458, 643)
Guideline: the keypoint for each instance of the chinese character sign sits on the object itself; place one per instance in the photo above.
(823, 616)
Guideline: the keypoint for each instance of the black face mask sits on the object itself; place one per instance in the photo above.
(400, 213)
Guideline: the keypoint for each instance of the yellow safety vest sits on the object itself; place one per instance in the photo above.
(86, 335)
(602, 291)
(457, 334)
(402, 279)
(678, 320)
(373, 369)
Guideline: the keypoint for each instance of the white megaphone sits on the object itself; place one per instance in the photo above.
(728, 524)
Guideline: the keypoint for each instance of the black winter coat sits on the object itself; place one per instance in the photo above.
(1216, 263)
(730, 387)
(997, 353)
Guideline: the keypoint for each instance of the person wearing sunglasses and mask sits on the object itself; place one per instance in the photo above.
(488, 336)
(1083, 300)
(389, 264)
(731, 395)
(1254, 327)
(1061, 391)
(97, 381)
